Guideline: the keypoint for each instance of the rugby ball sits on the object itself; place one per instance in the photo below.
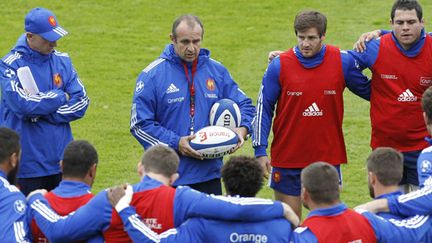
(226, 113)
(214, 141)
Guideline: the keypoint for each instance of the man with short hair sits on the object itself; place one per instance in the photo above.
(401, 65)
(242, 176)
(173, 98)
(79, 172)
(14, 225)
(40, 95)
(307, 84)
(161, 206)
(385, 170)
(331, 221)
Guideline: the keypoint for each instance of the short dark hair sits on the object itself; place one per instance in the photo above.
(407, 5)
(9, 143)
(79, 156)
(191, 21)
(387, 164)
(427, 104)
(321, 180)
(243, 176)
(160, 159)
(310, 19)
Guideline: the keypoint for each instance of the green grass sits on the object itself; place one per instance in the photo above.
(110, 42)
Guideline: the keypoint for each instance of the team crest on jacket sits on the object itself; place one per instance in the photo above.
(57, 80)
(19, 206)
(52, 21)
(210, 83)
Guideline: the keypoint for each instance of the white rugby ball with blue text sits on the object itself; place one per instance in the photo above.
(214, 141)
(226, 113)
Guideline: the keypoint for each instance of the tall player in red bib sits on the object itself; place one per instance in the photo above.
(401, 65)
(307, 83)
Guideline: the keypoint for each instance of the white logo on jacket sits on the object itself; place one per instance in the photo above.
(19, 206)
(313, 110)
(172, 89)
(407, 96)
(139, 87)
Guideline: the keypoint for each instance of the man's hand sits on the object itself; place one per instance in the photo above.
(273, 54)
(265, 165)
(360, 45)
(375, 206)
(241, 134)
(186, 150)
(290, 215)
(41, 191)
(120, 197)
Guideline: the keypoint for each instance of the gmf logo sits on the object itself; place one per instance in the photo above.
(202, 136)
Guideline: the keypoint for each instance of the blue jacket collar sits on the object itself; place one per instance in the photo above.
(312, 61)
(23, 47)
(413, 50)
(170, 55)
(335, 210)
(391, 194)
(68, 188)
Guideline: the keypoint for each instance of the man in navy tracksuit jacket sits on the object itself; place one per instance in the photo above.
(173, 98)
(42, 119)
(14, 225)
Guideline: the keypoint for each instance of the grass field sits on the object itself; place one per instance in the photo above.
(110, 42)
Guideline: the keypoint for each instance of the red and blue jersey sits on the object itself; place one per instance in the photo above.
(309, 97)
(339, 222)
(67, 197)
(399, 78)
(14, 225)
(44, 116)
(96, 216)
(161, 107)
(207, 230)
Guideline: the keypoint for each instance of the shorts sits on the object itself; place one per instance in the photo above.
(287, 180)
(410, 174)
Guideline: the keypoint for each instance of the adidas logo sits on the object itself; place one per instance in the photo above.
(313, 110)
(172, 89)
(407, 96)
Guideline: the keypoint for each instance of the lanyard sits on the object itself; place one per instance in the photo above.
(192, 92)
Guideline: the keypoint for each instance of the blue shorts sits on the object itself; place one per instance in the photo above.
(287, 181)
(410, 174)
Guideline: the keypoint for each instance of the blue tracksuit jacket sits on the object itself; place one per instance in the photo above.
(42, 120)
(161, 107)
(14, 223)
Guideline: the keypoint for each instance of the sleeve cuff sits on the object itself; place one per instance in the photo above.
(260, 151)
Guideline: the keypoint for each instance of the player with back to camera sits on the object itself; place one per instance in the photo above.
(79, 172)
(307, 84)
(161, 206)
(42, 119)
(241, 176)
(173, 97)
(329, 220)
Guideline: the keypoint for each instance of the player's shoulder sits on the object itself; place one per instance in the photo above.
(12, 196)
(11, 58)
(154, 66)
